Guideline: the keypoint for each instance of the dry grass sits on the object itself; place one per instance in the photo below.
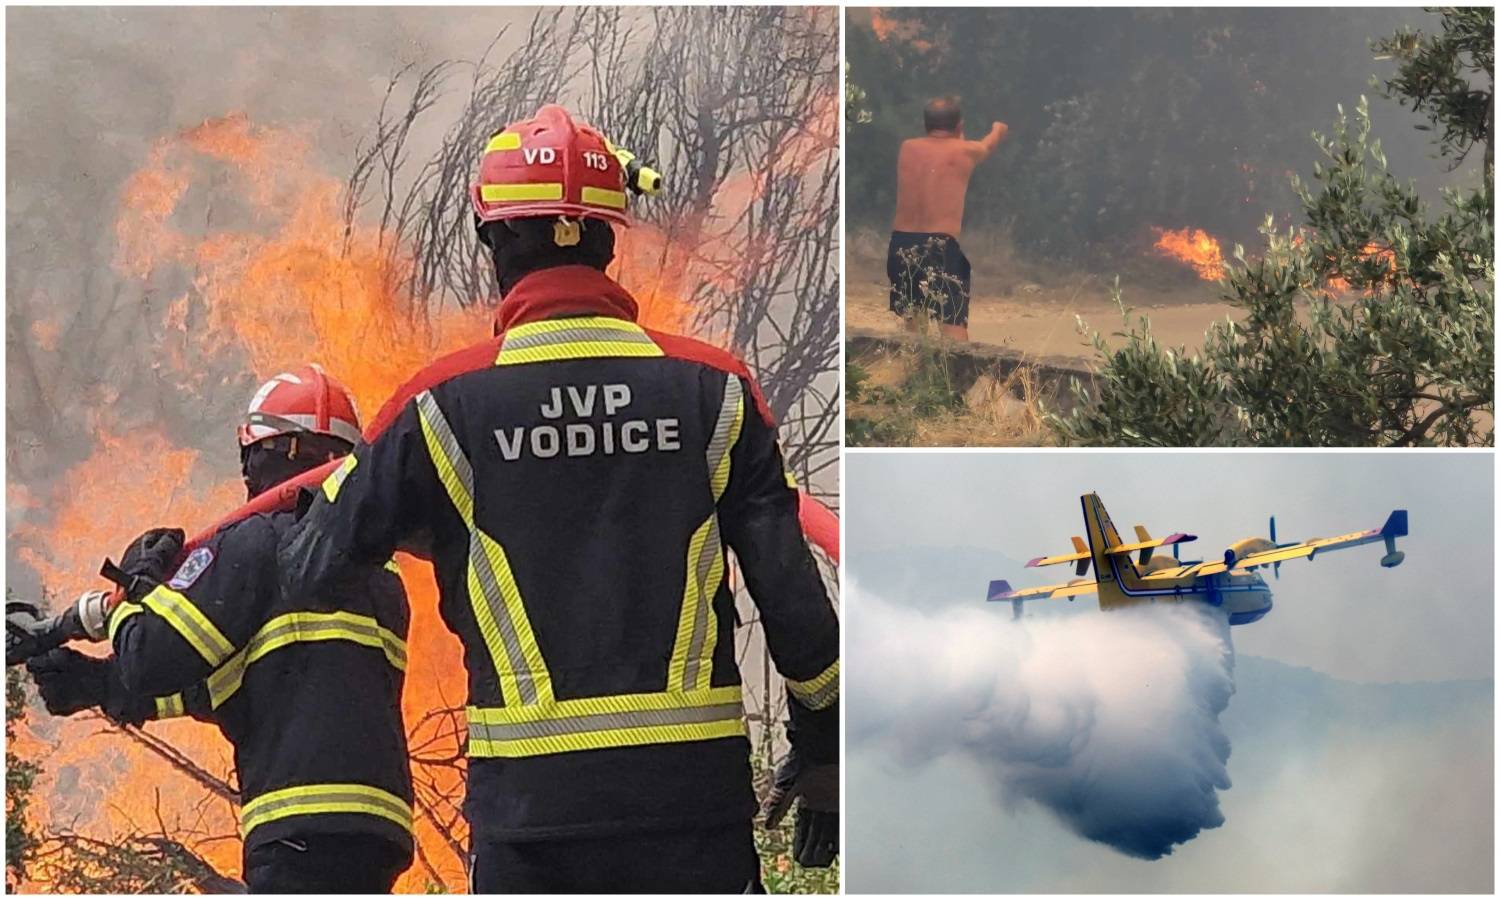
(908, 396)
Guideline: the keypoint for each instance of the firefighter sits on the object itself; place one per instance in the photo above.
(577, 481)
(306, 688)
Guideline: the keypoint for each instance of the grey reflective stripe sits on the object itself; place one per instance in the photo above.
(821, 697)
(479, 561)
(582, 333)
(366, 629)
(299, 422)
(257, 811)
(225, 681)
(718, 445)
(604, 722)
(182, 615)
(711, 550)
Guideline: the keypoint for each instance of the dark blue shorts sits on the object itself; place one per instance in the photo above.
(928, 271)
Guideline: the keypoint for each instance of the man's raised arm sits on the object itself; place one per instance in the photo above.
(989, 142)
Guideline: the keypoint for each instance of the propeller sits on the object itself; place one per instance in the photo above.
(1276, 566)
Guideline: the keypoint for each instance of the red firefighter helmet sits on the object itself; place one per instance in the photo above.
(304, 400)
(550, 165)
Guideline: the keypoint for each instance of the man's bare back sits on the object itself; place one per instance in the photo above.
(932, 177)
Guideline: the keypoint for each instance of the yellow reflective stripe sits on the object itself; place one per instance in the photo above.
(190, 622)
(819, 692)
(697, 626)
(505, 140)
(791, 480)
(392, 567)
(547, 326)
(726, 435)
(301, 627)
(593, 723)
(335, 479)
(691, 663)
(125, 610)
(316, 799)
(512, 193)
(446, 460)
(604, 197)
(493, 593)
(526, 676)
(170, 707)
(480, 748)
(224, 681)
(583, 337)
(578, 350)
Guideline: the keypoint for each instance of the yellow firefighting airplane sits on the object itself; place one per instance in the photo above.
(1232, 584)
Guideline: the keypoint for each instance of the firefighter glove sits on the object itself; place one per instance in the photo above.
(815, 791)
(71, 682)
(150, 559)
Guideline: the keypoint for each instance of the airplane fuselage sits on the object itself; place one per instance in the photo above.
(1242, 594)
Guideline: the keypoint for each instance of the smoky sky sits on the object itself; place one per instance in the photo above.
(1431, 618)
(89, 89)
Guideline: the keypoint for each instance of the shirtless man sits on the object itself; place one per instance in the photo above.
(926, 267)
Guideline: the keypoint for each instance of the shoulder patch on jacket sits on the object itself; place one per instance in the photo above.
(191, 568)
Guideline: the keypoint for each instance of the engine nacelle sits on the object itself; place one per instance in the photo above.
(1243, 548)
(1393, 559)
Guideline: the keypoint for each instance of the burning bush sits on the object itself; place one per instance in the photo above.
(1408, 361)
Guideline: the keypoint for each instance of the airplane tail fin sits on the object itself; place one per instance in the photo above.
(1083, 564)
(1000, 590)
(1102, 535)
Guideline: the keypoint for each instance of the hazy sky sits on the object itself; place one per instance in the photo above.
(1431, 618)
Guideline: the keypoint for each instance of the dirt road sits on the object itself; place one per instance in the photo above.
(1034, 310)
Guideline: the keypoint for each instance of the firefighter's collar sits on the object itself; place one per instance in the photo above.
(564, 291)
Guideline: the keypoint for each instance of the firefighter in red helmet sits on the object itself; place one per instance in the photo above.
(306, 689)
(578, 481)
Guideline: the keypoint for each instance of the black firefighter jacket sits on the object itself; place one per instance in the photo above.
(308, 691)
(577, 481)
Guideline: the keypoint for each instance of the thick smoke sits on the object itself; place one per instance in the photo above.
(1110, 722)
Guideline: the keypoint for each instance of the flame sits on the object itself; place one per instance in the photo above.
(1193, 246)
(95, 781)
(235, 223)
(888, 27)
(1370, 251)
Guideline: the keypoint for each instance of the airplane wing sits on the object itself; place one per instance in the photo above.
(1001, 590)
(1394, 527)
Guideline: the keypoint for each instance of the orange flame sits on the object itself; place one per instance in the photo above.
(888, 28)
(1370, 251)
(1195, 247)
